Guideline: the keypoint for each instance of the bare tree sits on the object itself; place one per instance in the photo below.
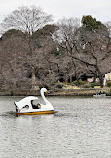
(66, 35)
(90, 47)
(28, 20)
(94, 51)
(48, 62)
(14, 58)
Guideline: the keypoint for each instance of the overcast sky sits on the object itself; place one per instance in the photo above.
(100, 9)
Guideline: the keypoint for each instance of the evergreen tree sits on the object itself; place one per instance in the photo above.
(90, 23)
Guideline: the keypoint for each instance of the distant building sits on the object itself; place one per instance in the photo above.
(90, 79)
(108, 76)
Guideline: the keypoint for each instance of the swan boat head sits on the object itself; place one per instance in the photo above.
(43, 90)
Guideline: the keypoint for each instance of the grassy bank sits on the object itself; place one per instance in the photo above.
(57, 91)
(80, 92)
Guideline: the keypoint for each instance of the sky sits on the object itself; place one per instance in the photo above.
(99, 9)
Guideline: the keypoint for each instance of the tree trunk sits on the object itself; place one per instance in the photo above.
(33, 79)
(101, 81)
(99, 76)
(70, 78)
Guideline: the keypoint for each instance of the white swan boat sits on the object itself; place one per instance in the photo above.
(99, 95)
(26, 107)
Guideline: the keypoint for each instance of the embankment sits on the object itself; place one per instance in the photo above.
(56, 92)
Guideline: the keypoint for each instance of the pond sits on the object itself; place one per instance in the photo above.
(79, 128)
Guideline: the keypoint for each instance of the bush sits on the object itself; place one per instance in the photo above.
(82, 82)
(75, 83)
(94, 84)
(109, 83)
(59, 85)
(79, 83)
(11, 92)
(87, 86)
(109, 93)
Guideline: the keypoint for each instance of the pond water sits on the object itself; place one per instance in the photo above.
(80, 128)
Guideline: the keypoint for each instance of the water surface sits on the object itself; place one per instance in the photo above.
(80, 128)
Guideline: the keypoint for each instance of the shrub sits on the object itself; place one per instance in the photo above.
(59, 85)
(87, 86)
(11, 92)
(94, 84)
(109, 93)
(76, 82)
(82, 82)
(79, 83)
(109, 83)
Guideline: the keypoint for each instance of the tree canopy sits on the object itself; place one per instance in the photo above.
(26, 19)
(90, 23)
(38, 52)
(12, 32)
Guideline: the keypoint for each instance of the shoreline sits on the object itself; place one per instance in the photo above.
(56, 92)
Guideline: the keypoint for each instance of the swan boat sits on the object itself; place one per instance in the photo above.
(26, 106)
(99, 95)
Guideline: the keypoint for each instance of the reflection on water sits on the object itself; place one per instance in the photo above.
(80, 128)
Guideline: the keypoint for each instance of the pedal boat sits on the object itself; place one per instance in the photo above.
(25, 106)
(99, 95)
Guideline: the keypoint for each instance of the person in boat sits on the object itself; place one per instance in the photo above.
(35, 106)
(100, 93)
